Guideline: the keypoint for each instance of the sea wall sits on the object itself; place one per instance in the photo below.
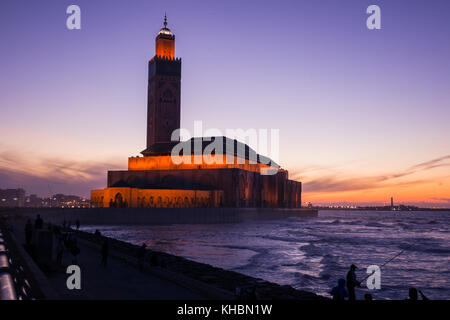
(161, 216)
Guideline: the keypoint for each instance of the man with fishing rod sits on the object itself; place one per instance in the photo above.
(352, 282)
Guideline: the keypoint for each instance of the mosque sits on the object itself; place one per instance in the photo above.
(222, 179)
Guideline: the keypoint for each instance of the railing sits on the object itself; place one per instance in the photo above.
(7, 288)
(16, 280)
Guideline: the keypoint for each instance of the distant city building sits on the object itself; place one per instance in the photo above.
(16, 198)
(69, 201)
(154, 180)
(392, 202)
(12, 198)
(33, 201)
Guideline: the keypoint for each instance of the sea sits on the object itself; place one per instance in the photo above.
(412, 249)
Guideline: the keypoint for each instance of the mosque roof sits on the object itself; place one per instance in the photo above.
(215, 145)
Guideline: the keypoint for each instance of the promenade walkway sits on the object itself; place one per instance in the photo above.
(116, 281)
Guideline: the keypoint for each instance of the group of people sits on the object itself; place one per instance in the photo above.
(64, 241)
(67, 241)
(69, 224)
(346, 288)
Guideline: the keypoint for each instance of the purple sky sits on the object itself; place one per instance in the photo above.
(351, 104)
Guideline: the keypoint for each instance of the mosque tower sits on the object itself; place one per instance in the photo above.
(164, 91)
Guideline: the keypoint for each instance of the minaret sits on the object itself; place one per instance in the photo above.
(164, 84)
(165, 42)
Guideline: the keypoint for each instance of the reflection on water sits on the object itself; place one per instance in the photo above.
(312, 253)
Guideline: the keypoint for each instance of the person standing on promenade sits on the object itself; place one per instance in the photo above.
(28, 232)
(77, 224)
(105, 252)
(74, 249)
(352, 283)
(141, 256)
(38, 223)
(59, 250)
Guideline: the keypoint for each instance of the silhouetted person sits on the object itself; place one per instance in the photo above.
(59, 250)
(38, 223)
(339, 292)
(111, 203)
(77, 223)
(141, 256)
(368, 297)
(74, 250)
(28, 232)
(352, 282)
(105, 252)
(414, 296)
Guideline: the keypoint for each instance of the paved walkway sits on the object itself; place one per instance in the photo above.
(117, 281)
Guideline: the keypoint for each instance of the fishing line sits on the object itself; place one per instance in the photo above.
(398, 254)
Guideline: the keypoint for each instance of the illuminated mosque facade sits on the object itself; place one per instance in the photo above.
(154, 180)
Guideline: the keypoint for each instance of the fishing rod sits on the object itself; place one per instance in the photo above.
(398, 254)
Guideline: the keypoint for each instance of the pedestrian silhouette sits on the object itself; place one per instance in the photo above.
(141, 256)
(339, 292)
(59, 250)
(77, 224)
(74, 250)
(28, 232)
(352, 283)
(413, 295)
(38, 223)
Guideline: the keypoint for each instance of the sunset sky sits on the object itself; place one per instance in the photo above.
(363, 114)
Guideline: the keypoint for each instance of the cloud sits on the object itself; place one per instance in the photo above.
(333, 183)
(53, 174)
(445, 200)
(432, 163)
